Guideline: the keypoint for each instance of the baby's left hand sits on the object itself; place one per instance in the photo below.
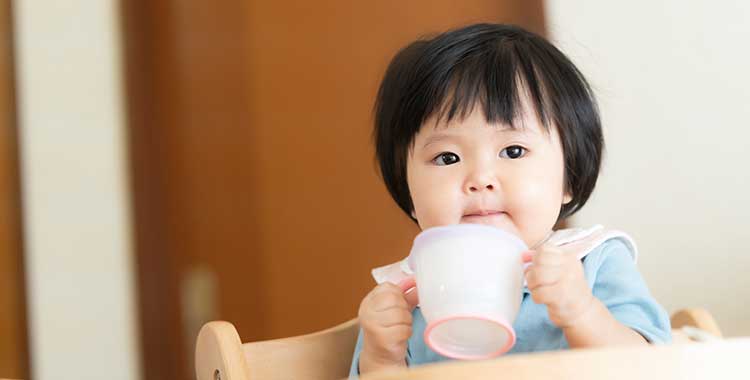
(556, 279)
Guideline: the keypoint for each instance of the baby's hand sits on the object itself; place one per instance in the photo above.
(556, 279)
(385, 318)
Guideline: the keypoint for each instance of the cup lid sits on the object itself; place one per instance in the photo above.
(430, 235)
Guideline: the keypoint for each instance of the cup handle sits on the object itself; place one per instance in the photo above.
(409, 286)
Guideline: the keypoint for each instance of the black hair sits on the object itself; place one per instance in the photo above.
(447, 75)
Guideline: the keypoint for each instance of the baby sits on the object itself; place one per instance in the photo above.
(491, 124)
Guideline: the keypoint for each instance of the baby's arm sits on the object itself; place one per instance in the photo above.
(598, 327)
(619, 309)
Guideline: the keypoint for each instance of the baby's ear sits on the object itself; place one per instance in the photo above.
(567, 198)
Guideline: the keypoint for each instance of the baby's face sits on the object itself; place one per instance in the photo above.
(469, 171)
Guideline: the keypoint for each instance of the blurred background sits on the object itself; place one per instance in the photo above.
(167, 163)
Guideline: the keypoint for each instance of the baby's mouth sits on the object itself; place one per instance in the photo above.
(484, 217)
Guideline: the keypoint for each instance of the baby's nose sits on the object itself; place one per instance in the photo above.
(488, 186)
(482, 178)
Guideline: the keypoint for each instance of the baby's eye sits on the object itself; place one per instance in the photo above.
(446, 158)
(513, 152)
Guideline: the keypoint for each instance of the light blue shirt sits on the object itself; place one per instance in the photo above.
(614, 279)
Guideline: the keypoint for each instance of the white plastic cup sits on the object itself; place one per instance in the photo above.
(469, 280)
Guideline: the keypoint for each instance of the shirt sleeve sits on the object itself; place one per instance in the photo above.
(622, 289)
(354, 369)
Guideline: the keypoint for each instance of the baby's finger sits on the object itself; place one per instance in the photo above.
(394, 317)
(393, 334)
(545, 294)
(538, 276)
(386, 287)
(549, 257)
(389, 299)
(412, 298)
(401, 332)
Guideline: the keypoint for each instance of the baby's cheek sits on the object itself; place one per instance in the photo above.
(435, 206)
(534, 207)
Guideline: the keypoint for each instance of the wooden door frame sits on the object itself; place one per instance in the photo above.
(16, 363)
(160, 339)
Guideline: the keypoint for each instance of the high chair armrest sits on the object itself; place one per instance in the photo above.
(697, 318)
(219, 354)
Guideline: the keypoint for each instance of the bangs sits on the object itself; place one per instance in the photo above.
(500, 82)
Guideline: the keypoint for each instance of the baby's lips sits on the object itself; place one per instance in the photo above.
(527, 256)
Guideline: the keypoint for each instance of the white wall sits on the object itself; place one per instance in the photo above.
(673, 81)
(82, 318)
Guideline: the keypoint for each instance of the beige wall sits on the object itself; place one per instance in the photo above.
(75, 192)
(673, 82)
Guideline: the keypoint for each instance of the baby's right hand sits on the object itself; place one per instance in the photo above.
(385, 318)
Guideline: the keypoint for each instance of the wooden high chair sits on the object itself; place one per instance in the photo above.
(220, 354)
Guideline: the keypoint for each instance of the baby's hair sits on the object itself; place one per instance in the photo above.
(491, 64)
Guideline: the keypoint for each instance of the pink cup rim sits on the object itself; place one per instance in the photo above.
(436, 233)
(500, 321)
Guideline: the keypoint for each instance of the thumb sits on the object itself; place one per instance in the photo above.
(412, 298)
(409, 287)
